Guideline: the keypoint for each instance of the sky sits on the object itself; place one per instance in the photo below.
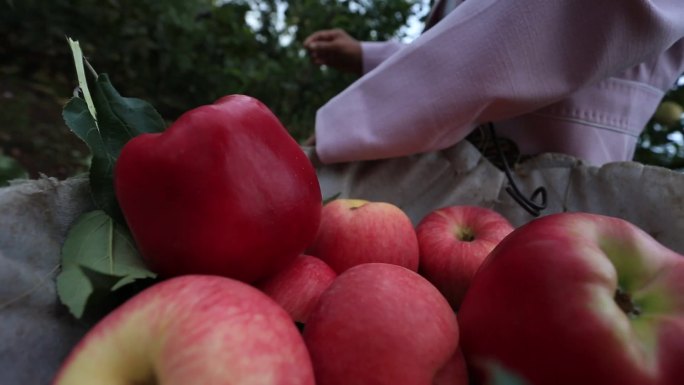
(412, 29)
(415, 26)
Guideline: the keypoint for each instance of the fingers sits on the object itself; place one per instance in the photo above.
(328, 53)
(324, 53)
(322, 44)
(323, 36)
(335, 48)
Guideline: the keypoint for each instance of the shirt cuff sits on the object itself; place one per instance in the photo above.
(374, 52)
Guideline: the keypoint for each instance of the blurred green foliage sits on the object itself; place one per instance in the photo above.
(662, 142)
(178, 54)
(10, 169)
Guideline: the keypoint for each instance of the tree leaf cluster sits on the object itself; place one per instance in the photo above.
(179, 54)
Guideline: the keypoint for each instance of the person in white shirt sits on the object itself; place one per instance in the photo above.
(580, 77)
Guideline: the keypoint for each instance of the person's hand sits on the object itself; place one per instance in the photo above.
(336, 49)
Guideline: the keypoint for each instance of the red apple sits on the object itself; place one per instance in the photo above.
(577, 298)
(453, 243)
(299, 285)
(383, 324)
(224, 190)
(192, 329)
(356, 231)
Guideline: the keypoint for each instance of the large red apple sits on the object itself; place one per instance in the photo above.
(356, 231)
(192, 329)
(299, 285)
(453, 243)
(225, 190)
(577, 298)
(383, 324)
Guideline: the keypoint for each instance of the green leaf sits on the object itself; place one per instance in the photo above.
(106, 122)
(103, 301)
(137, 115)
(98, 259)
(79, 120)
(121, 119)
(80, 74)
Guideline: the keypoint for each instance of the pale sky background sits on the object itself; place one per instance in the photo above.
(412, 30)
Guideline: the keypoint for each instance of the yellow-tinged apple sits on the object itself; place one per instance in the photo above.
(189, 330)
(356, 231)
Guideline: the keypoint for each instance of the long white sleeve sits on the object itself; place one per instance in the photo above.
(490, 60)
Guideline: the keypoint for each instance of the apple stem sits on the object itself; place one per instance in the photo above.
(466, 235)
(624, 301)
